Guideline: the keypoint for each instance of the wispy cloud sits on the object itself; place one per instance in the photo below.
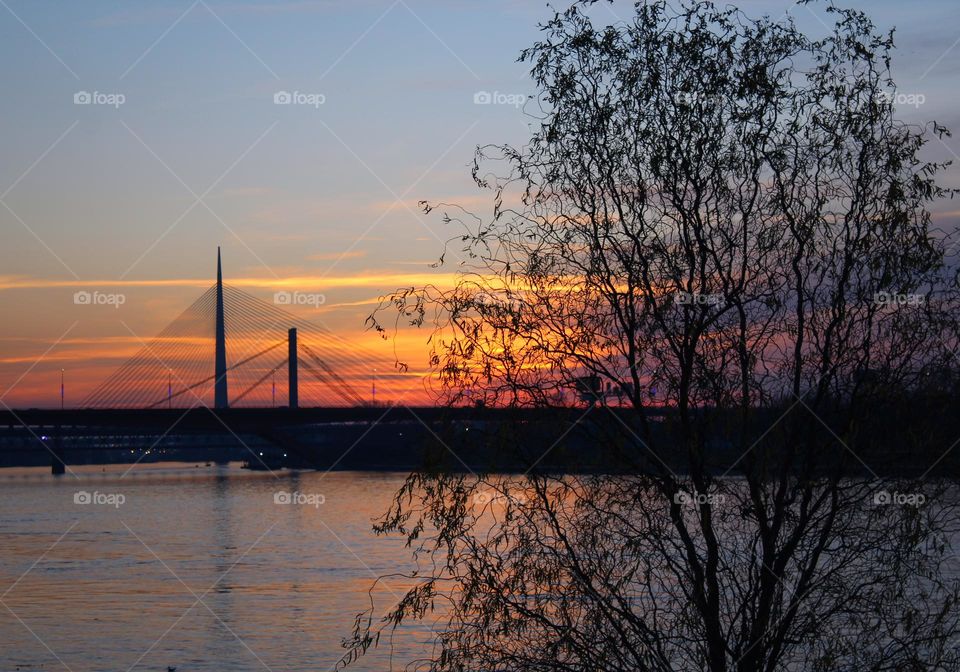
(333, 256)
(384, 281)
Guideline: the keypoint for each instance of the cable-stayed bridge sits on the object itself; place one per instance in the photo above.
(231, 377)
(234, 377)
(232, 349)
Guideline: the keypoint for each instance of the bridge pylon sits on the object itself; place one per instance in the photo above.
(220, 399)
(292, 383)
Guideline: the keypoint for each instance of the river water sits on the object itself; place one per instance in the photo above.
(197, 567)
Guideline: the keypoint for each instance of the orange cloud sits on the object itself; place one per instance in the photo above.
(384, 281)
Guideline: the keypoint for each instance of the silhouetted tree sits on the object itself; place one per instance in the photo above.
(727, 212)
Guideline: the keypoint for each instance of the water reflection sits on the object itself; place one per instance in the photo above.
(199, 567)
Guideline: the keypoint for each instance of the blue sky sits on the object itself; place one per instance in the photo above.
(198, 154)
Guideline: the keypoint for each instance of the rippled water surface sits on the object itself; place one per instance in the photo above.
(193, 566)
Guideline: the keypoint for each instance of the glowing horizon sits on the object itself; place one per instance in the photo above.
(368, 369)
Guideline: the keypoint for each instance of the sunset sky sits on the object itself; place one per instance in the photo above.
(134, 197)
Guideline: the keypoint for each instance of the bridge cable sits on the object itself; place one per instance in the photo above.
(322, 378)
(263, 378)
(119, 384)
(333, 374)
(209, 378)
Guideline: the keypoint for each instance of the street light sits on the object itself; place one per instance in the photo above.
(61, 389)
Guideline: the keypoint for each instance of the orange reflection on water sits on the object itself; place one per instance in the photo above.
(118, 584)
